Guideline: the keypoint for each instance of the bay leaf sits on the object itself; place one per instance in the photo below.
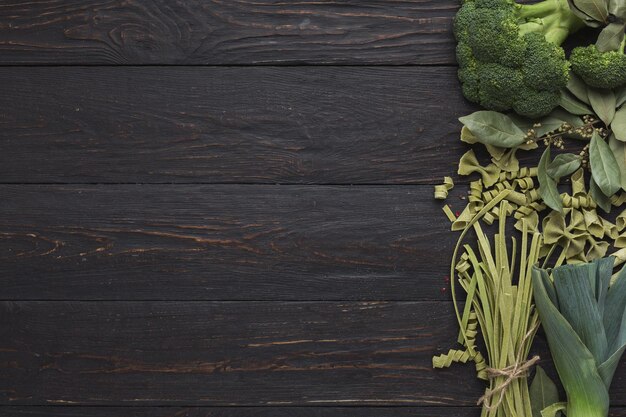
(603, 103)
(618, 8)
(598, 196)
(543, 392)
(563, 164)
(619, 124)
(604, 167)
(578, 88)
(620, 96)
(493, 128)
(619, 152)
(595, 10)
(573, 105)
(568, 117)
(611, 37)
(547, 185)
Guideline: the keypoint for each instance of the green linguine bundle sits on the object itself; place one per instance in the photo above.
(499, 292)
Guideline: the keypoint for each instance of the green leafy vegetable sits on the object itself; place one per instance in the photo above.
(509, 54)
(585, 322)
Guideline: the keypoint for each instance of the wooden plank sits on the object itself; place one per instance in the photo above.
(227, 32)
(56, 411)
(223, 242)
(234, 354)
(229, 125)
(238, 353)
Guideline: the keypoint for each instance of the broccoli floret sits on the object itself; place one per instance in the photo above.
(509, 54)
(600, 69)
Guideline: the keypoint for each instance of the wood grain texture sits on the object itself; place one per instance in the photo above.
(249, 412)
(56, 411)
(234, 354)
(199, 353)
(223, 242)
(221, 32)
(61, 411)
(229, 125)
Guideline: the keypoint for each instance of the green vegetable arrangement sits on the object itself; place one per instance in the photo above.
(584, 318)
(558, 271)
(510, 55)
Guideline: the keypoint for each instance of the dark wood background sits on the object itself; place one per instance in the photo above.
(224, 208)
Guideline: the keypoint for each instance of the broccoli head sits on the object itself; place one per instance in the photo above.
(509, 54)
(599, 69)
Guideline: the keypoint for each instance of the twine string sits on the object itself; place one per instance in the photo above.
(511, 373)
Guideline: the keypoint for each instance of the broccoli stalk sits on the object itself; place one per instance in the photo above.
(510, 56)
(553, 18)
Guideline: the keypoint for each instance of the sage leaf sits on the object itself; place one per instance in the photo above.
(604, 168)
(619, 152)
(578, 88)
(564, 164)
(611, 37)
(595, 10)
(547, 185)
(543, 392)
(573, 105)
(598, 196)
(603, 103)
(619, 124)
(493, 128)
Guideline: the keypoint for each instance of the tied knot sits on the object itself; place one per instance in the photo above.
(510, 373)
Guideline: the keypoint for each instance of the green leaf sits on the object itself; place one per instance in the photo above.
(543, 392)
(573, 105)
(564, 164)
(620, 95)
(578, 305)
(594, 10)
(611, 37)
(619, 124)
(493, 128)
(598, 196)
(603, 103)
(547, 185)
(578, 88)
(619, 152)
(618, 8)
(575, 364)
(604, 167)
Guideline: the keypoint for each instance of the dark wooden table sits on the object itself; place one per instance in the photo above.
(224, 208)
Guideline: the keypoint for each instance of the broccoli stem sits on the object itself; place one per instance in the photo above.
(553, 18)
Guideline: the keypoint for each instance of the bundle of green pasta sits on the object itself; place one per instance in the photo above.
(499, 292)
(584, 318)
